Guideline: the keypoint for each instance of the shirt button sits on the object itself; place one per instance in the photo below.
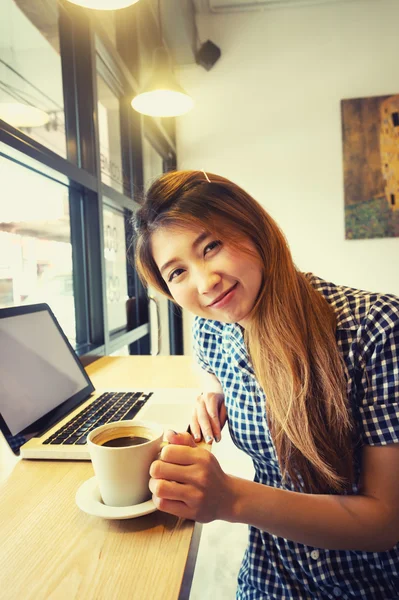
(315, 554)
(337, 592)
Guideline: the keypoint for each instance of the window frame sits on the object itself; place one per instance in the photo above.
(81, 37)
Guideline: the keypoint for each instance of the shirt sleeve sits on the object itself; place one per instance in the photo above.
(200, 344)
(379, 408)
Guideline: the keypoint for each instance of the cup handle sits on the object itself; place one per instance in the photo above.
(163, 444)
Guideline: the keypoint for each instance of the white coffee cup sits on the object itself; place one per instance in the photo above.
(122, 472)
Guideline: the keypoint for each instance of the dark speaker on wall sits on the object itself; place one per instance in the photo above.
(207, 55)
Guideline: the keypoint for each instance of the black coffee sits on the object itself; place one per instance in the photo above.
(128, 440)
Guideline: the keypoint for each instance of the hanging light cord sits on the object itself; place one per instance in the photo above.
(21, 95)
(29, 83)
(160, 22)
(15, 93)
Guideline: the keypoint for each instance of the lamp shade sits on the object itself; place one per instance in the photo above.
(162, 96)
(104, 4)
(23, 115)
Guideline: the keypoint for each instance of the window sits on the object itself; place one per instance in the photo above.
(31, 91)
(109, 127)
(115, 267)
(35, 243)
(159, 307)
(68, 183)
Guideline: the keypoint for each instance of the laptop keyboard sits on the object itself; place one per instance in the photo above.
(108, 407)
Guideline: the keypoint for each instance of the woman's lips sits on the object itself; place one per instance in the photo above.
(225, 299)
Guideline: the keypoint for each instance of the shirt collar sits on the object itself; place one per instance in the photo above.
(213, 326)
(337, 299)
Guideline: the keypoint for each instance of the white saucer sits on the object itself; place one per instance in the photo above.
(89, 500)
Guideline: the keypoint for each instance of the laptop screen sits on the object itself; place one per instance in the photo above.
(39, 371)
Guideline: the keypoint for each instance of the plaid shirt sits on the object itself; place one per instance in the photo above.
(368, 338)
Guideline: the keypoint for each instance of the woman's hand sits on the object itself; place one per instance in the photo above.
(188, 481)
(209, 417)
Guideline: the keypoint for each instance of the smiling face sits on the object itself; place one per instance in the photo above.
(206, 276)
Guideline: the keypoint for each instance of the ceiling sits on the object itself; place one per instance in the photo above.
(228, 6)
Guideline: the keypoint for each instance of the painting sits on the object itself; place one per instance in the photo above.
(370, 133)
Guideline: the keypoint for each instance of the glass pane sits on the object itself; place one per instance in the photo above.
(29, 162)
(115, 267)
(110, 136)
(35, 244)
(31, 94)
(153, 168)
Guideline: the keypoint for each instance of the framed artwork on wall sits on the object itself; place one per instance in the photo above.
(370, 135)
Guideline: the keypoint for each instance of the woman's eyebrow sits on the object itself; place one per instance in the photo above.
(202, 236)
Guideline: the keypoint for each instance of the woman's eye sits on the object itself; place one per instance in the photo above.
(212, 246)
(174, 274)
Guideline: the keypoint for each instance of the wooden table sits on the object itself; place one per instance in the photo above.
(52, 550)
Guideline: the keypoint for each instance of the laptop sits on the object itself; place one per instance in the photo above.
(48, 404)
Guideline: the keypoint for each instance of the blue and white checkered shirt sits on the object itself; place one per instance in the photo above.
(368, 338)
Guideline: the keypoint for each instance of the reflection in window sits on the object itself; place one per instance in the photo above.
(35, 244)
(31, 94)
(115, 267)
(110, 136)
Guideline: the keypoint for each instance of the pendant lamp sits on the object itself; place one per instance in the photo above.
(23, 115)
(162, 96)
(104, 4)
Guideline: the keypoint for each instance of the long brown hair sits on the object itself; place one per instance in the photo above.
(291, 334)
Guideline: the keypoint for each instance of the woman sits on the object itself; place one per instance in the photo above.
(306, 374)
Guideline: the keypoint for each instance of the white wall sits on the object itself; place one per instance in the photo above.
(267, 116)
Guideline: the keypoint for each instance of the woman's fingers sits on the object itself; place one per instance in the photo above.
(222, 415)
(189, 482)
(209, 417)
(173, 472)
(169, 490)
(180, 439)
(195, 427)
(181, 464)
(204, 421)
(173, 507)
(182, 455)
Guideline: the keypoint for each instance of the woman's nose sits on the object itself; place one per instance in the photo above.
(207, 281)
